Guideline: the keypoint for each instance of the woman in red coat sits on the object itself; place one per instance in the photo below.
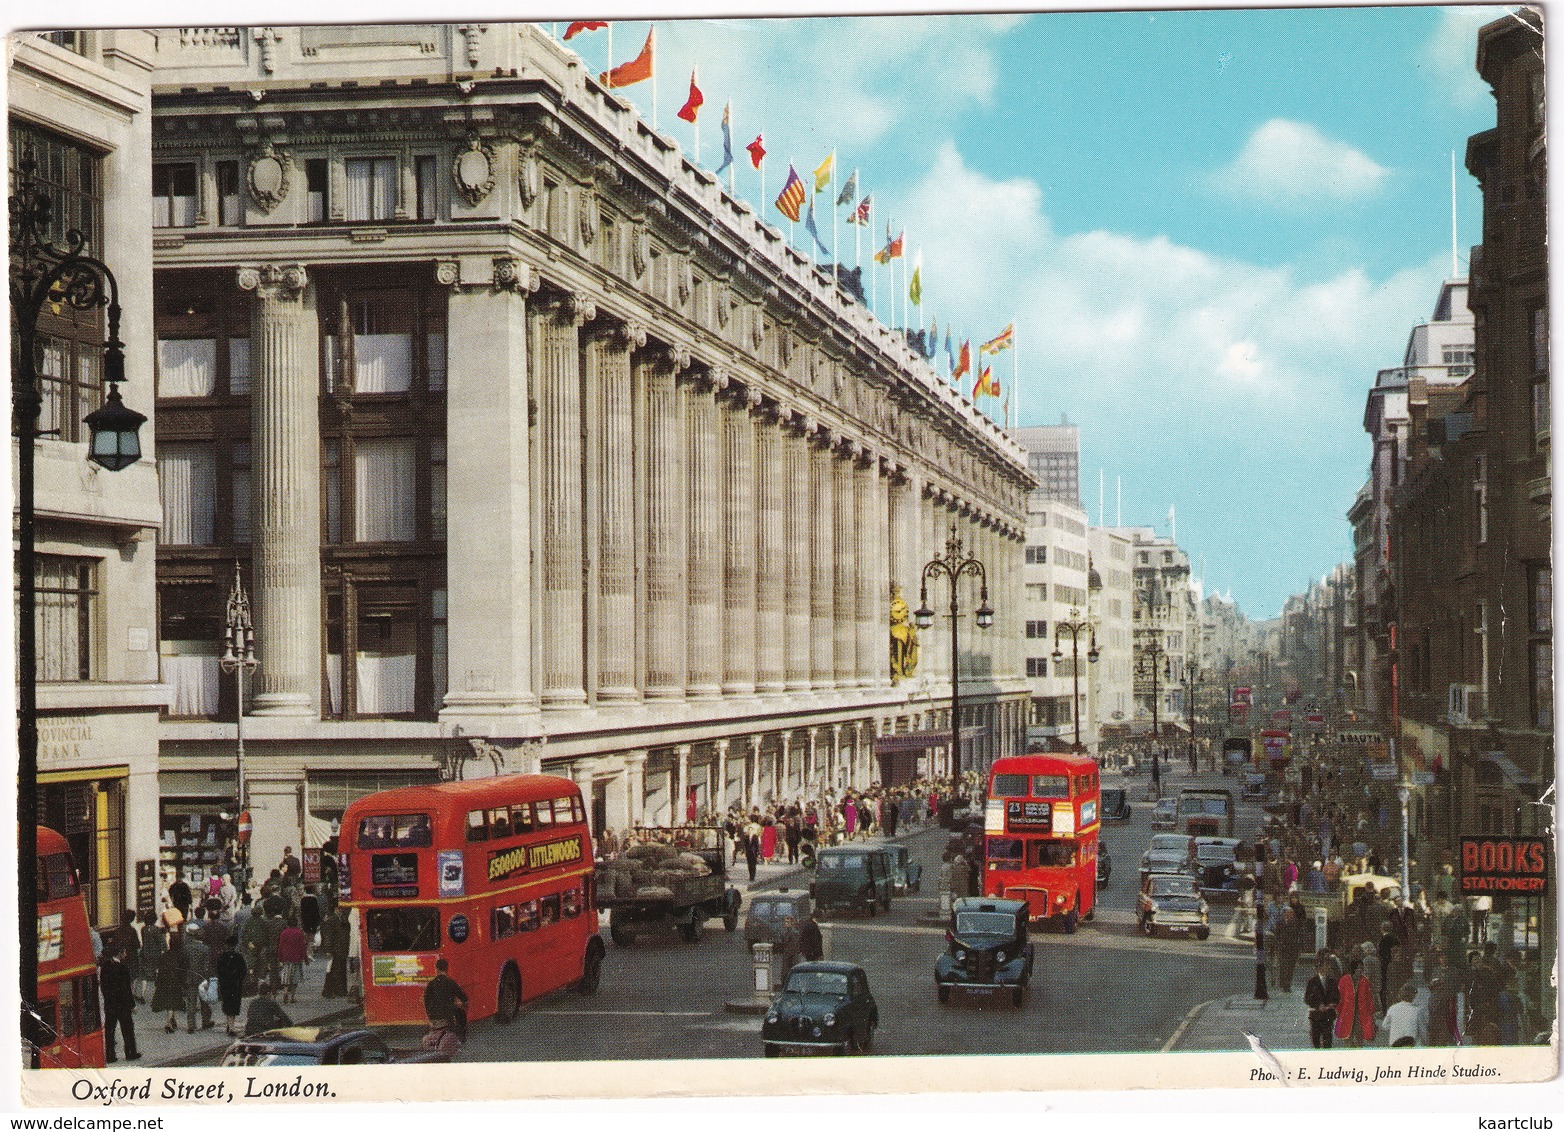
(1355, 1007)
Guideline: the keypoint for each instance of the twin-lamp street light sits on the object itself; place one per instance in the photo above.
(953, 564)
(239, 658)
(1154, 662)
(1074, 626)
(43, 275)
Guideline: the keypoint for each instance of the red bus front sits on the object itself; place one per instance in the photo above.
(493, 875)
(1042, 822)
(71, 1022)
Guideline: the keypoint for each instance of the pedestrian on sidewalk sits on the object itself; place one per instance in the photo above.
(198, 968)
(1355, 1007)
(334, 942)
(309, 920)
(1401, 1019)
(891, 816)
(119, 1002)
(1261, 990)
(292, 947)
(168, 996)
(1320, 996)
(154, 942)
(794, 831)
(231, 973)
(179, 895)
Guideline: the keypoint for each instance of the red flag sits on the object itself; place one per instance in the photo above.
(757, 152)
(964, 362)
(692, 105)
(580, 26)
(637, 70)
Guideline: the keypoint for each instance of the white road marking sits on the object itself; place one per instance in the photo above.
(627, 1013)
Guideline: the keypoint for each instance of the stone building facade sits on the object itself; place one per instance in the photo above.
(537, 448)
(80, 107)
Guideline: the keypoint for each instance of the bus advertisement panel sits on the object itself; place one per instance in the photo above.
(71, 1023)
(1041, 823)
(494, 875)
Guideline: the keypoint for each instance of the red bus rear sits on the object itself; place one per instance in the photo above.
(494, 875)
(1042, 821)
(71, 1021)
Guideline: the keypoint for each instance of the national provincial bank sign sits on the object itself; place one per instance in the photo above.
(65, 737)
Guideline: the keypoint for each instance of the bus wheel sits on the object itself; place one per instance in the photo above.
(508, 1004)
(591, 969)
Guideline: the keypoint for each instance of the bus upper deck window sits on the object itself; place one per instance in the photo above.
(1010, 786)
(521, 818)
(563, 813)
(545, 812)
(477, 826)
(499, 823)
(577, 810)
(1051, 786)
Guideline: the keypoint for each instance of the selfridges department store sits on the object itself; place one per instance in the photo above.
(536, 449)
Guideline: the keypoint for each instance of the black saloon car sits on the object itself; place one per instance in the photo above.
(1116, 804)
(824, 1006)
(320, 1045)
(988, 948)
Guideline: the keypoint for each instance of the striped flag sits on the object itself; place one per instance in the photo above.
(985, 387)
(1001, 341)
(791, 199)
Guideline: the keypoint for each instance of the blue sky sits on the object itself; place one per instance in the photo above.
(1212, 228)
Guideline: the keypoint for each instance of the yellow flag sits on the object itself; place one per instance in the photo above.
(823, 172)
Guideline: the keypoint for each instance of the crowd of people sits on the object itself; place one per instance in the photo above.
(211, 947)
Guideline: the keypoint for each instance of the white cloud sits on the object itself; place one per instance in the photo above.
(1450, 53)
(1291, 162)
(1128, 326)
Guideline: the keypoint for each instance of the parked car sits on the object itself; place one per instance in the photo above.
(906, 874)
(1116, 804)
(852, 877)
(1255, 787)
(1104, 863)
(1165, 816)
(766, 920)
(320, 1045)
(823, 1006)
(988, 950)
(1171, 902)
(1215, 867)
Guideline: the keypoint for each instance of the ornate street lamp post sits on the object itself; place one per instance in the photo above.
(239, 658)
(1074, 626)
(1154, 662)
(953, 565)
(42, 274)
(1191, 687)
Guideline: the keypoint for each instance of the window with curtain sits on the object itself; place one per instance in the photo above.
(190, 641)
(371, 187)
(383, 363)
(66, 617)
(187, 367)
(238, 366)
(70, 382)
(385, 662)
(384, 493)
(174, 195)
(187, 483)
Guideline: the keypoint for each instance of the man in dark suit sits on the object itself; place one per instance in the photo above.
(118, 1001)
(1320, 996)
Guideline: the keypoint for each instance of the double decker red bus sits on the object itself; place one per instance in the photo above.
(70, 1020)
(1041, 825)
(494, 875)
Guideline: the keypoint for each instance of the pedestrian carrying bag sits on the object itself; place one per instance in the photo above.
(208, 990)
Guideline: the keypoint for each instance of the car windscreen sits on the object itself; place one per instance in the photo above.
(985, 923)
(817, 982)
(1214, 854)
(1168, 841)
(1112, 799)
(1174, 886)
(771, 909)
(846, 862)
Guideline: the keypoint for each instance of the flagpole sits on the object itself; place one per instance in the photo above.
(652, 33)
(857, 243)
(835, 259)
(1015, 369)
(733, 166)
(695, 76)
(874, 276)
(608, 67)
(790, 233)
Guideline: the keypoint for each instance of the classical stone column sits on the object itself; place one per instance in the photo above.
(784, 779)
(812, 761)
(834, 757)
(753, 769)
(666, 559)
(872, 651)
(845, 570)
(556, 368)
(704, 650)
(801, 552)
(739, 508)
(285, 431)
(681, 796)
(822, 563)
(489, 526)
(774, 513)
(720, 794)
(635, 792)
(608, 358)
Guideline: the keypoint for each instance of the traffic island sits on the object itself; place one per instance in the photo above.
(758, 1001)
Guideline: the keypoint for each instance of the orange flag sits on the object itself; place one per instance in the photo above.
(692, 105)
(637, 70)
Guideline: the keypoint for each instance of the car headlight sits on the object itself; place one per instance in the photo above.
(1155, 907)
(1059, 899)
(771, 1019)
(1001, 957)
(829, 1019)
(816, 1031)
